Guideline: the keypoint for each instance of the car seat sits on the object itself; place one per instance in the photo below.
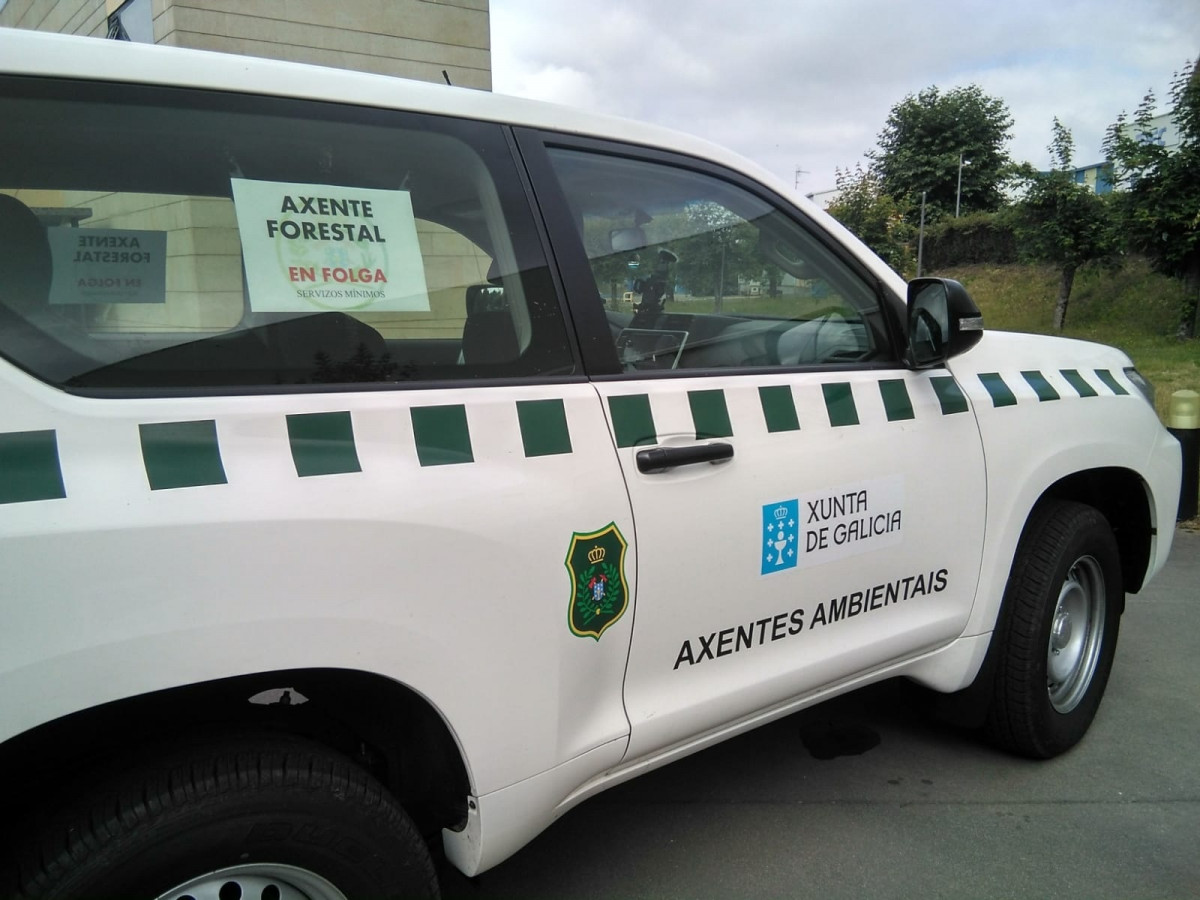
(26, 273)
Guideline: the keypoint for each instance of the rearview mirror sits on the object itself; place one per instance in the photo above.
(623, 240)
(943, 321)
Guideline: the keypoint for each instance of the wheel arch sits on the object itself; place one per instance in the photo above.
(386, 727)
(1123, 498)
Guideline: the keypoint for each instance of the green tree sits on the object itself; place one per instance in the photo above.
(611, 274)
(927, 135)
(875, 217)
(719, 249)
(1159, 210)
(611, 270)
(1061, 222)
(774, 276)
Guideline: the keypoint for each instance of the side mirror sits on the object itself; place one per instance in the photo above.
(943, 321)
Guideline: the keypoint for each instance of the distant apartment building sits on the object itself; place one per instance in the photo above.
(1161, 130)
(410, 38)
(1098, 177)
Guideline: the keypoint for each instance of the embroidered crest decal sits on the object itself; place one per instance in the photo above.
(599, 594)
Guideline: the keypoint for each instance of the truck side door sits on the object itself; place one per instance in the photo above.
(807, 509)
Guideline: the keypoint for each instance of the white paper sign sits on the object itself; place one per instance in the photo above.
(323, 247)
(108, 265)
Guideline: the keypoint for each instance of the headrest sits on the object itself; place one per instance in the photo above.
(485, 298)
(26, 267)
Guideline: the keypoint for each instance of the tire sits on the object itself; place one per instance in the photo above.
(1058, 631)
(275, 818)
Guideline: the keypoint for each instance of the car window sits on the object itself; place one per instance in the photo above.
(696, 273)
(175, 239)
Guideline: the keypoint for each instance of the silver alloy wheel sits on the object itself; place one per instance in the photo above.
(1076, 634)
(256, 881)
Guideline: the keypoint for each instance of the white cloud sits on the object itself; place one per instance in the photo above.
(810, 82)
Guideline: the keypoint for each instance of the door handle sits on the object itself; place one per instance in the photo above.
(660, 459)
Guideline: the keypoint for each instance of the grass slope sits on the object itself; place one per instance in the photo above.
(1132, 308)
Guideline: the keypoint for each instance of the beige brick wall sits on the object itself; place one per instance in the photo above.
(86, 17)
(409, 38)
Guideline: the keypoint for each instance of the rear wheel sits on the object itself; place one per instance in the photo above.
(255, 882)
(1058, 633)
(274, 819)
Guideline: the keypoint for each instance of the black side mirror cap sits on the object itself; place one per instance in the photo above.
(943, 321)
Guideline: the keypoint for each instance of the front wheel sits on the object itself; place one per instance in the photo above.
(1058, 631)
(272, 818)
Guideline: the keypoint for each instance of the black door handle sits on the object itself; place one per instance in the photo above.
(659, 459)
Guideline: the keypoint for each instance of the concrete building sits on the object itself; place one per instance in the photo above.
(409, 38)
(1162, 130)
(1098, 177)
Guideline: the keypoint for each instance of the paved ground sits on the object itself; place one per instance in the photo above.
(926, 813)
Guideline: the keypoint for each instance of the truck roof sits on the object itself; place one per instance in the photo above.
(40, 53)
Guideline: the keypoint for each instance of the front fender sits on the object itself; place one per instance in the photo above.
(1048, 409)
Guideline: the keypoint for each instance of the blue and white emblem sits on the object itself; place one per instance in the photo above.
(781, 536)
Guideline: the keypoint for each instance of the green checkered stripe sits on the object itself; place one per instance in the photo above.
(633, 420)
(1073, 384)
(188, 454)
(29, 467)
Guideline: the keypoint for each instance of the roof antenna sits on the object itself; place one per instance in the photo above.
(446, 75)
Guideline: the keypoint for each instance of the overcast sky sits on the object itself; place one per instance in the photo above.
(809, 83)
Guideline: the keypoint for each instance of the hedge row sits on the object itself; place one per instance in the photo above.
(970, 240)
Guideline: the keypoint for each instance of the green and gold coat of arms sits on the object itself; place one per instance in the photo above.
(599, 592)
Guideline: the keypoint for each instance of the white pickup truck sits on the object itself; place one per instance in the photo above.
(347, 505)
